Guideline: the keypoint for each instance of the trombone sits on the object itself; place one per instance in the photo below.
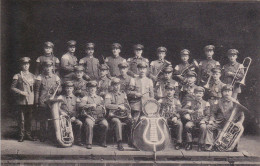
(247, 61)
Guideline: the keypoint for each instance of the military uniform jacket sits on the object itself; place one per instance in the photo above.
(181, 67)
(68, 62)
(201, 108)
(23, 82)
(157, 65)
(133, 62)
(160, 87)
(205, 67)
(113, 99)
(232, 68)
(45, 87)
(42, 59)
(69, 105)
(113, 63)
(103, 85)
(214, 90)
(80, 89)
(126, 82)
(91, 65)
(170, 107)
(222, 111)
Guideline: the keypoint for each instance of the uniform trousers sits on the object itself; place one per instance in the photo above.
(189, 127)
(25, 119)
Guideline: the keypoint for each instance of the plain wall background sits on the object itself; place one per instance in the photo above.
(26, 25)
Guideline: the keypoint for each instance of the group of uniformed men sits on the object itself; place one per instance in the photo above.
(119, 83)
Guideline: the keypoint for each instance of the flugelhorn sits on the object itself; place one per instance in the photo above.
(186, 69)
(247, 61)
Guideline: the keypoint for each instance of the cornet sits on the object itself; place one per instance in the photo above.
(193, 64)
(248, 60)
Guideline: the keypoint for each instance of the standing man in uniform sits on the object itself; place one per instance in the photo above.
(93, 112)
(80, 89)
(142, 90)
(69, 108)
(126, 81)
(23, 87)
(133, 62)
(46, 84)
(114, 60)
(158, 65)
(230, 69)
(103, 82)
(166, 79)
(90, 63)
(117, 101)
(69, 61)
(48, 55)
(205, 66)
(180, 69)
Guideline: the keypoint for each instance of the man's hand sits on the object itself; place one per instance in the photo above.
(211, 122)
(122, 107)
(136, 75)
(129, 116)
(202, 122)
(137, 95)
(229, 73)
(190, 111)
(73, 119)
(174, 119)
(24, 93)
(93, 105)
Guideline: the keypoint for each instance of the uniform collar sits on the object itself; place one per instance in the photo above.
(49, 76)
(93, 96)
(117, 93)
(103, 78)
(233, 64)
(116, 57)
(136, 57)
(185, 63)
(124, 76)
(69, 96)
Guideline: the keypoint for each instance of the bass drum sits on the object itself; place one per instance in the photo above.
(151, 133)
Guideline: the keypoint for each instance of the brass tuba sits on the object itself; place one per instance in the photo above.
(62, 123)
(231, 133)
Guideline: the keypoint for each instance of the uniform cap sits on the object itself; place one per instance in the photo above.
(161, 49)
(199, 89)
(209, 47)
(90, 45)
(24, 60)
(47, 62)
(92, 84)
(170, 86)
(138, 47)
(123, 65)
(191, 74)
(142, 65)
(116, 45)
(232, 52)
(226, 87)
(185, 52)
(115, 81)
(168, 69)
(79, 68)
(103, 67)
(68, 84)
(49, 44)
(216, 70)
(72, 43)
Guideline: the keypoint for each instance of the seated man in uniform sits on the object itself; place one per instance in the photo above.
(170, 110)
(221, 114)
(69, 108)
(196, 112)
(93, 112)
(117, 101)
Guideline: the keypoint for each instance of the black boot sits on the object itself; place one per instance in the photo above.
(200, 147)
(178, 146)
(21, 139)
(30, 138)
(189, 146)
(120, 146)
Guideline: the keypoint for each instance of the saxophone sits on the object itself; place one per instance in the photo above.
(231, 133)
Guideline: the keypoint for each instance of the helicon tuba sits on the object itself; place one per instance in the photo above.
(231, 133)
(62, 124)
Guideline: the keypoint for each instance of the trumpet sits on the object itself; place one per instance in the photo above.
(192, 65)
(247, 61)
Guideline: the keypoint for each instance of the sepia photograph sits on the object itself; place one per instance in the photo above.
(135, 82)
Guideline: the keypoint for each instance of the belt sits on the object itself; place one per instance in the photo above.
(214, 98)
